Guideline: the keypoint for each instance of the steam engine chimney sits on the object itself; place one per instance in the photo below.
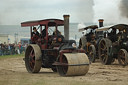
(101, 22)
(66, 26)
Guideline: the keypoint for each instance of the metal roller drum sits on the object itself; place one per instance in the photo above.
(74, 64)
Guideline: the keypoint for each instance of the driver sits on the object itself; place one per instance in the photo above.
(35, 32)
(44, 32)
(56, 32)
(35, 35)
(89, 35)
(112, 35)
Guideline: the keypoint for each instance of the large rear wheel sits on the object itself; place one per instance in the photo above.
(123, 57)
(105, 51)
(33, 61)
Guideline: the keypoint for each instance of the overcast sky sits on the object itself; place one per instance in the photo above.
(17, 11)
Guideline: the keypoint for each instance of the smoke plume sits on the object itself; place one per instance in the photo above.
(112, 11)
(124, 8)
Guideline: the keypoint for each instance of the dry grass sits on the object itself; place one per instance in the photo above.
(13, 72)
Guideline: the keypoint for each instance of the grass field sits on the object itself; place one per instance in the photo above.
(12, 56)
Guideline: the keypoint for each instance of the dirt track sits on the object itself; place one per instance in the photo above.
(13, 72)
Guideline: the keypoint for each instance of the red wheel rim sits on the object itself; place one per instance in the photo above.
(32, 59)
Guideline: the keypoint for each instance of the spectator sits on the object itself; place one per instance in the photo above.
(0, 50)
(7, 49)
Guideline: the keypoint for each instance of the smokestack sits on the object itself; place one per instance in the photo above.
(101, 22)
(66, 26)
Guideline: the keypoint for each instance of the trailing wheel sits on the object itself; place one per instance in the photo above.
(123, 57)
(92, 53)
(105, 51)
(33, 61)
(62, 69)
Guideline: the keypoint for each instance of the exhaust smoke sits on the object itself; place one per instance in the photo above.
(124, 8)
(113, 12)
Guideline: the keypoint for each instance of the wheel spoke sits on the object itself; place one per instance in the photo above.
(102, 54)
(32, 53)
(91, 53)
(31, 65)
(33, 56)
(105, 48)
(103, 44)
(104, 58)
(64, 67)
(103, 51)
(102, 48)
(32, 59)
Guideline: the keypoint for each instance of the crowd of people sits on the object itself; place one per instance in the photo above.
(11, 49)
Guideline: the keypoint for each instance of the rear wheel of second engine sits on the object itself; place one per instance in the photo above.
(123, 57)
(33, 61)
(74, 64)
(105, 51)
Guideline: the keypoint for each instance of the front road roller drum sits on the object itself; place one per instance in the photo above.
(33, 60)
(73, 64)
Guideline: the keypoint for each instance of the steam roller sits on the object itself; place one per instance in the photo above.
(54, 50)
(66, 64)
